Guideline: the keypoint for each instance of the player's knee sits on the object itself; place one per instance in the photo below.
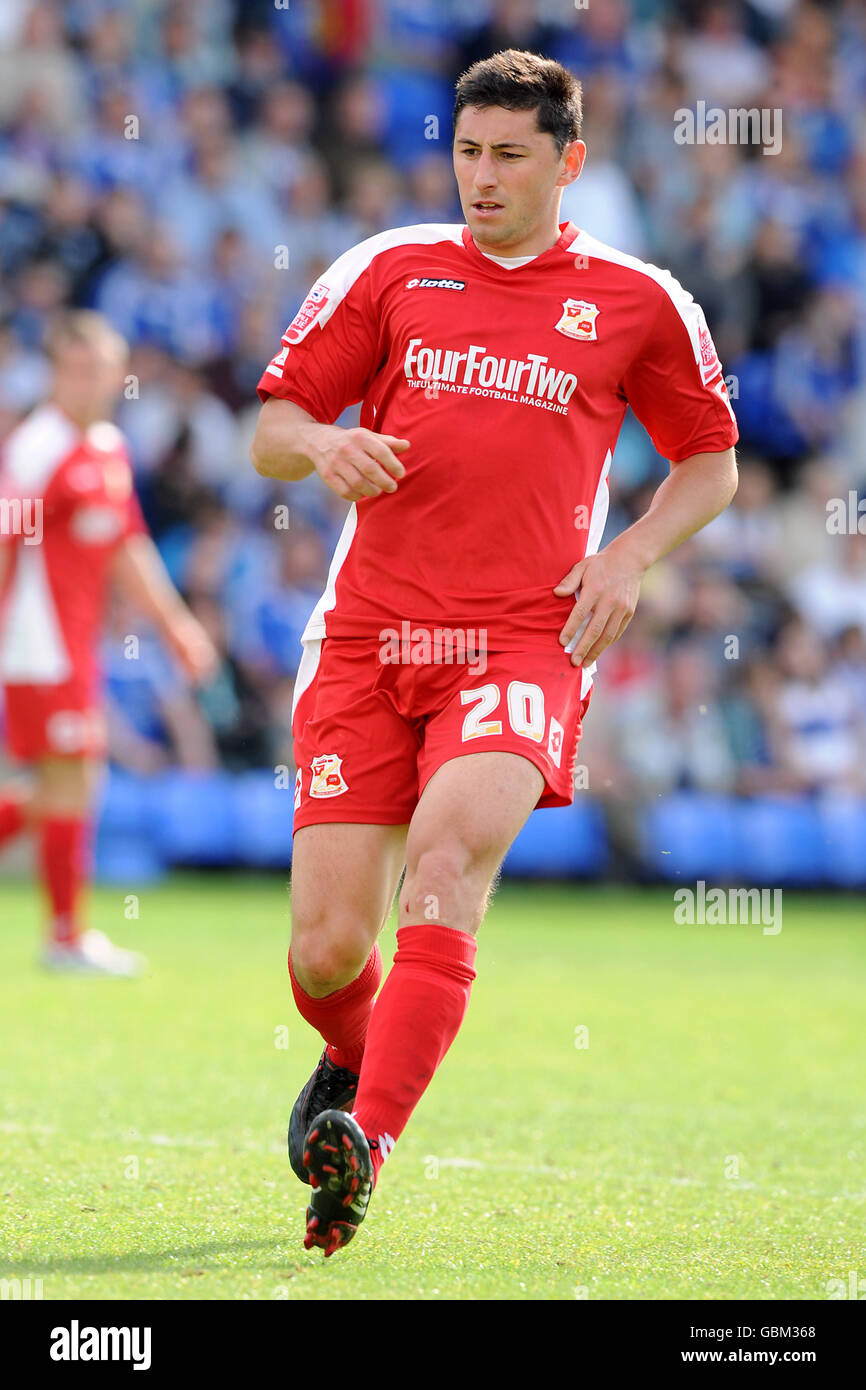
(437, 866)
(326, 958)
(64, 787)
(24, 798)
(443, 881)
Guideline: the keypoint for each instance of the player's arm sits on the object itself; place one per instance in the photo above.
(141, 574)
(607, 585)
(8, 538)
(290, 444)
(675, 387)
(5, 561)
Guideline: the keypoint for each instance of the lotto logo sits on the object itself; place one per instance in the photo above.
(417, 284)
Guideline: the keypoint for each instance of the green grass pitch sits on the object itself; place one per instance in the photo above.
(633, 1109)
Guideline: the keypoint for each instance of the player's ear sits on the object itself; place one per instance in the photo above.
(573, 156)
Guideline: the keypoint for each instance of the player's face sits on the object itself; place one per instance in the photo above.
(501, 157)
(88, 378)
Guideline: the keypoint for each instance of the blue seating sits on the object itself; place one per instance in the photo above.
(196, 823)
(146, 824)
(780, 842)
(560, 843)
(843, 842)
(127, 859)
(126, 804)
(264, 820)
(690, 835)
(126, 850)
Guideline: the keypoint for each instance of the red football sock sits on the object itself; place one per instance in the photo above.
(415, 1021)
(63, 866)
(12, 818)
(342, 1017)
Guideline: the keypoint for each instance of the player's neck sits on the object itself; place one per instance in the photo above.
(82, 420)
(535, 244)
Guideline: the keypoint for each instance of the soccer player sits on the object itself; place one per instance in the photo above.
(70, 525)
(494, 362)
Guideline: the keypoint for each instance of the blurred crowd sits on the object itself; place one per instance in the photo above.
(190, 168)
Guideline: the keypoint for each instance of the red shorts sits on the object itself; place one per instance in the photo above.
(368, 735)
(57, 721)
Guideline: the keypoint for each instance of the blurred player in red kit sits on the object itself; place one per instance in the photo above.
(494, 362)
(70, 527)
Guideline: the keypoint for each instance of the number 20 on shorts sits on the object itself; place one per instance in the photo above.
(525, 705)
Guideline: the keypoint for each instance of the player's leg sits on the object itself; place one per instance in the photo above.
(16, 811)
(469, 813)
(344, 877)
(472, 805)
(16, 799)
(64, 792)
(63, 805)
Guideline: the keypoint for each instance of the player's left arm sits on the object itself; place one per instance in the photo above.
(8, 539)
(675, 387)
(141, 574)
(607, 585)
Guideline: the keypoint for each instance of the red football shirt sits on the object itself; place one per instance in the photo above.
(511, 385)
(66, 503)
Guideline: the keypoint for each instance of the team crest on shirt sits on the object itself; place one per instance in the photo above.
(327, 778)
(578, 320)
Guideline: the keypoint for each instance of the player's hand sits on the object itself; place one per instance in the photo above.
(607, 587)
(358, 463)
(193, 648)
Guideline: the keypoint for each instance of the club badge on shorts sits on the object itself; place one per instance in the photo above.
(327, 778)
(578, 320)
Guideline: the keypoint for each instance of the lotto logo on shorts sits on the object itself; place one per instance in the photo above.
(554, 741)
(327, 780)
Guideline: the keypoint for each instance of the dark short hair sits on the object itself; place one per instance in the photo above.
(521, 81)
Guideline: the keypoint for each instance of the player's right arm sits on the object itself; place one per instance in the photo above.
(329, 358)
(289, 444)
